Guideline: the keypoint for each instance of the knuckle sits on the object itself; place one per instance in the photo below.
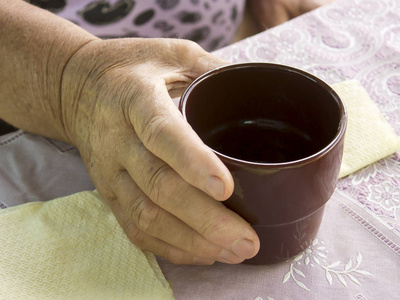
(166, 253)
(170, 253)
(190, 47)
(144, 213)
(154, 126)
(133, 233)
(200, 247)
(214, 225)
(160, 183)
(193, 244)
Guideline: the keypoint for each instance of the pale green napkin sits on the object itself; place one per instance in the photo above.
(369, 137)
(73, 248)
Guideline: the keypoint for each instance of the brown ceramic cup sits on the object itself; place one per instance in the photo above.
(280, 132)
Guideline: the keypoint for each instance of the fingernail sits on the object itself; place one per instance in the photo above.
(244, 248)
(215, 187)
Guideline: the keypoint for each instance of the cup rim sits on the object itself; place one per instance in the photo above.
(295, 163)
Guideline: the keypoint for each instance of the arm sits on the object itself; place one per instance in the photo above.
(112, 100)
(35, 46)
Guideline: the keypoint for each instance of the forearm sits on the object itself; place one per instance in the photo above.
(35, 47)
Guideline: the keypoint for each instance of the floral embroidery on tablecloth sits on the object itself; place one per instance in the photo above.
(386, 195)
(377, 189)
(316, 255)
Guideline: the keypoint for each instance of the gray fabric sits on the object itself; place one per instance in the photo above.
(34, 168)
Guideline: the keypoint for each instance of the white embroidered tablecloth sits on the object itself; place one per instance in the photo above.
(357, 252)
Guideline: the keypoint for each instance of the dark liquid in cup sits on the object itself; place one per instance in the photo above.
(261, 140)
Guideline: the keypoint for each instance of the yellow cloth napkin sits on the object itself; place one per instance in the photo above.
(369, 137)
(73, 248)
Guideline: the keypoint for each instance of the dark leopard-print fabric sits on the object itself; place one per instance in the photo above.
(211, 23)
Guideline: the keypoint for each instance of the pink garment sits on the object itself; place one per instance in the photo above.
(211, 23)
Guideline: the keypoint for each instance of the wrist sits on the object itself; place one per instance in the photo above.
(74, 77)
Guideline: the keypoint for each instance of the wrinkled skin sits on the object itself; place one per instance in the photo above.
(162, 183)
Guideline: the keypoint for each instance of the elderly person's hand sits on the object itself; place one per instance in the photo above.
(161, 180)
(112, 100)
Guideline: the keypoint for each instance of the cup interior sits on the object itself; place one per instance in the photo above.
(262, 113)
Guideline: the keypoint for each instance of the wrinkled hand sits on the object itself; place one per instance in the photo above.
(161, 181)
(269, 13)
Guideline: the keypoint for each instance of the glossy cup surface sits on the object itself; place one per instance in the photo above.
(281, 183)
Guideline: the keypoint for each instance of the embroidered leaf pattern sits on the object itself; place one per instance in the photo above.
(300, 284)
(286, 277)
(298, 272)
(348, 269)
(341, 279)
(314, 253)
(298, 257)
(359, 258)
(334, 265)
(328, 277)
(363, 272)
(348, 266)
(291, 274)
(352, 278)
